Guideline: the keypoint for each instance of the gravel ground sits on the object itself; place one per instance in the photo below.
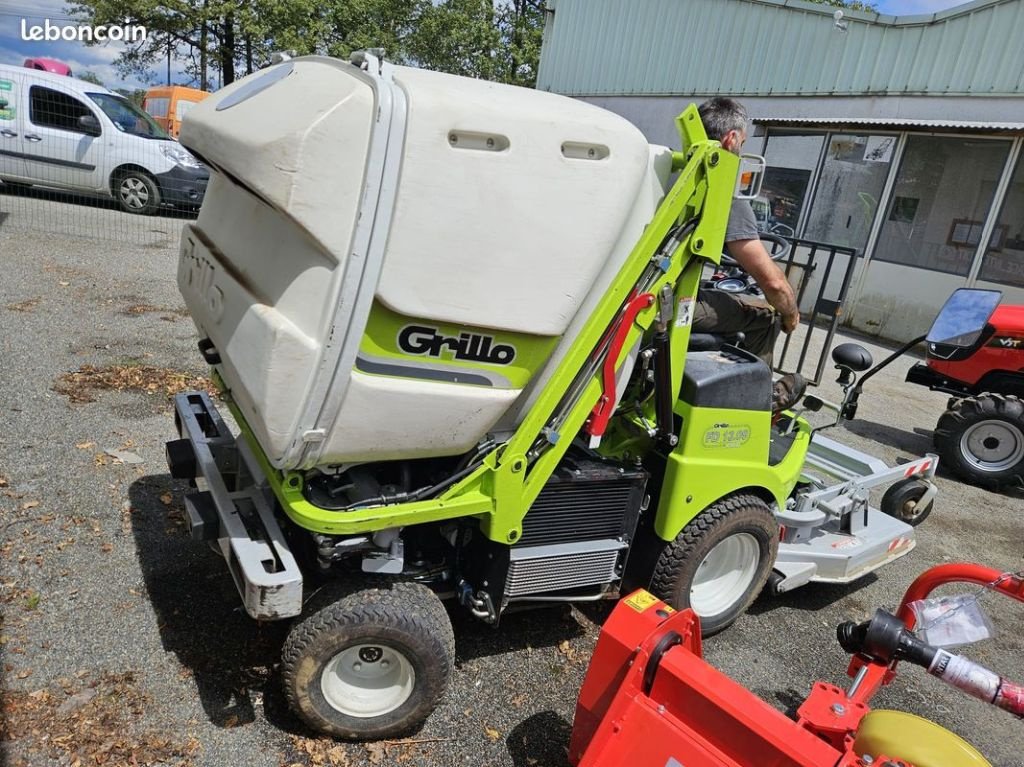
(122, 640)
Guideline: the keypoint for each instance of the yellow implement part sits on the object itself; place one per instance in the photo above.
(913, 739)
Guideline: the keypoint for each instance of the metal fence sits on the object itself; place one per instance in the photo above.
(78, 160)
(821, 274)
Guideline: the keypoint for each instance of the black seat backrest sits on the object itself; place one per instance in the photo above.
(711, 342)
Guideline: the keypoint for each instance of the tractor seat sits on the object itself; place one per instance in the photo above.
(712, 342)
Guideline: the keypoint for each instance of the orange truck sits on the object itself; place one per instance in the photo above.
(169, 104)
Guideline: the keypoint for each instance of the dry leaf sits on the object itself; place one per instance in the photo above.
(338, 756)
(166, 498)
(107, 548)
(3, 481)
(29, 505)
(491, 733)
(25, 673)
(375, 752)
(85, 445)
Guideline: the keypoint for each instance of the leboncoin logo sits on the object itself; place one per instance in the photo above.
(48, 31)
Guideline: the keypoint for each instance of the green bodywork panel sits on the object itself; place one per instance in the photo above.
(485, 357)
(720, 448)
(502, 489)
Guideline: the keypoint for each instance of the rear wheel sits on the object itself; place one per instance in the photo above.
(720, 561)
(371, 662)
(982, 439)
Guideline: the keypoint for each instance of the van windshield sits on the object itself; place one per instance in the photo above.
(127, 117)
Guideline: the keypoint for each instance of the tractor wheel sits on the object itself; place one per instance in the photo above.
(720, 561)
(982, 440)
(369, 663)
(901, 501)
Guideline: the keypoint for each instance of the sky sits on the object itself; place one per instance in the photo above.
(82, 58)
(98, 59)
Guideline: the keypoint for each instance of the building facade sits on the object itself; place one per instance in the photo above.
(898, 136)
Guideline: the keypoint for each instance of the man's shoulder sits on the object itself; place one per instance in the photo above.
(742, 222)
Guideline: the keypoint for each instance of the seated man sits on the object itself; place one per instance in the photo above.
(725, 120)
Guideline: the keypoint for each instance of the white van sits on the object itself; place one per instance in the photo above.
(58, 131)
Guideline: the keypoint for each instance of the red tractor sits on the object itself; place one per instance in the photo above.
(975, 352)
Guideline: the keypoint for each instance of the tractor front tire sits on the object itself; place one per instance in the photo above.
(369, 663)
(720, 561)
(981, 440)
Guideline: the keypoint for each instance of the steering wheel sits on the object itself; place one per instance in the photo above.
(778, 248)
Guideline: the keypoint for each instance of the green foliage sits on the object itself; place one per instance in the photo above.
(853, 5)
(90, 77)
(491, 39)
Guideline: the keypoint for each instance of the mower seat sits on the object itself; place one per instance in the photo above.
(712, 342)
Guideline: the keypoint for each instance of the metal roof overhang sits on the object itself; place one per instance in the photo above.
(891, 123)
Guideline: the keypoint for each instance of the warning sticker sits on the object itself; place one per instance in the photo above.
(684, 313)
(642, 600)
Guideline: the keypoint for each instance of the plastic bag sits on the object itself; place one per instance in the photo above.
(951, 621)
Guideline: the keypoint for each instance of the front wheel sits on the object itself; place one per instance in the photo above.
(982, 439)
(137, 192)
(720, 561)
(903, 501)
(369, 663)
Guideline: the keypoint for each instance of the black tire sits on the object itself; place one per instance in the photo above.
(136, 192)
(901, 501)
(981, 440)
(348, 624)
(676, 570)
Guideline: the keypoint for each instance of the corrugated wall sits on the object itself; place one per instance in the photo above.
(778, 47)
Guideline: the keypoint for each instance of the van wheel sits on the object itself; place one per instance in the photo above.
(137, 192)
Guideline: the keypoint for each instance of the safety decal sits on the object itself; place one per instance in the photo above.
(684, 313)
(642, 600)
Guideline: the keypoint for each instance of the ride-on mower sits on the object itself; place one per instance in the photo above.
(974, 352)
(650, 699)
(450, 319)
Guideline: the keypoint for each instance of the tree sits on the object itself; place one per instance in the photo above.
(853, 5)
(91, 77)
(492, 39)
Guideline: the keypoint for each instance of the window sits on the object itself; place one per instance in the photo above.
(127, 117)
(157, 107)
(182, 107)
(849, 188)
(943, 192)
(8, 110)
(1004, 257)
(792, 158)
(53, 109)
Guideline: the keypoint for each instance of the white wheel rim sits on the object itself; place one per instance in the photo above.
(725, 574)
(367, 680)
(134, 193)
(992, 445)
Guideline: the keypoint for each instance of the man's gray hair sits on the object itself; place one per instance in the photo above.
(721, 115)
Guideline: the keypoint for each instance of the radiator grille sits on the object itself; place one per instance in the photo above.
(584, 511)
(540, 569)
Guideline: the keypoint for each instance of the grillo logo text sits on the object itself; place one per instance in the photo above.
(469, 347)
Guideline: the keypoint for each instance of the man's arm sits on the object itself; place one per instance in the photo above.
(755, 260)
